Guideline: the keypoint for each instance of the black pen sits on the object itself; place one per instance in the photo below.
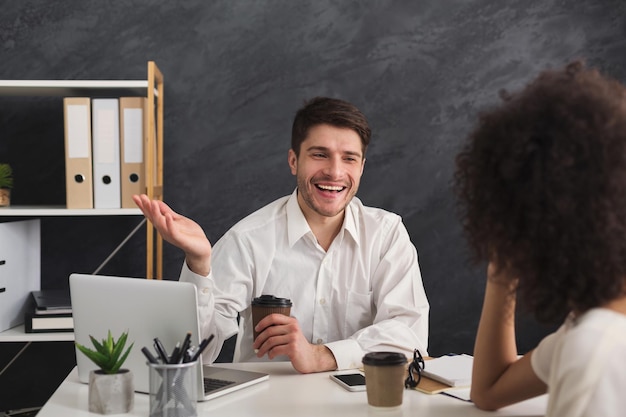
(149, 355)
(161, 350)
(184, 347)
(201, 347)
(175, 354)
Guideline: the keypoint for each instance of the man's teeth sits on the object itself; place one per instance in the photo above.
(330, 187)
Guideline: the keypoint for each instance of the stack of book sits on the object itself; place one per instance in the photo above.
(51, 312)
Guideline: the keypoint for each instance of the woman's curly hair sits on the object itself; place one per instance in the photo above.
(542, 190)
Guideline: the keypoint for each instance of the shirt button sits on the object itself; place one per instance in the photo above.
(205, 291)
(322, 301)
(320, 341)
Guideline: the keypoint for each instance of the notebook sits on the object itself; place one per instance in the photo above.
(452, 370)
(146, 309)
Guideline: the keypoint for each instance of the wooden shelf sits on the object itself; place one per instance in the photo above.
(45, 211)
(17, 334)
(71, 88)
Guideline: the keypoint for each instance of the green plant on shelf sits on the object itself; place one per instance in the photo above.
(109, 354)
(6, 176)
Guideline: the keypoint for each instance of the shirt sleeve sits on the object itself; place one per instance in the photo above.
(401, 308)
(210, 324)
(348, 353)
(572, 384)
(541, 357)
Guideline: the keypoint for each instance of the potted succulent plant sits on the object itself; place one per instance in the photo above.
(111, 388)
(6, 183)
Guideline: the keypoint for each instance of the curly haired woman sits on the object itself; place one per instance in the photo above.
(542, 191)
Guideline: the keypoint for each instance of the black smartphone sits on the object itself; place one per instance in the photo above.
(352, 382)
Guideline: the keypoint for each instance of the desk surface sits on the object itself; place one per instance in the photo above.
(289, 394)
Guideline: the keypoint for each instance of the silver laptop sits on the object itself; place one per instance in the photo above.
(146, 309)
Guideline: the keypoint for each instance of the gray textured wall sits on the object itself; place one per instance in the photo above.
(236, 71)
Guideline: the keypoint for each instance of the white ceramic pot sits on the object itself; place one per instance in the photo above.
(111, 393)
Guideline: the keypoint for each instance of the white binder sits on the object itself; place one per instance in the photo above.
(106, 152)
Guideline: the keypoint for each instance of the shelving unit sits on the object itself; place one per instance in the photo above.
(152, 88)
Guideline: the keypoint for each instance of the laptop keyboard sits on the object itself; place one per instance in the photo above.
(212, 384)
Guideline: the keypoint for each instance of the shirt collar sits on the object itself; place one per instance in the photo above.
(350, 223)
(297, 225)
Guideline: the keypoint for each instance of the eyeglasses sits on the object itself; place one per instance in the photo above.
(415, 367)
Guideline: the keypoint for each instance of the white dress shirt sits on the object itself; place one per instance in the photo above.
(364, 294)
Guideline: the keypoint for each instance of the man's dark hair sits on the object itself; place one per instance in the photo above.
(330, 111)
(542, 190)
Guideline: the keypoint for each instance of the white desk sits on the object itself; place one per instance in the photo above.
(289, 394)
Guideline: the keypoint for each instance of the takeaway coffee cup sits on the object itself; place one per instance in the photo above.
(384, 378)
(268, 304)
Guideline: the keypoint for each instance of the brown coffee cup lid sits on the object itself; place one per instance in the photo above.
(384, 359)
(270, 300)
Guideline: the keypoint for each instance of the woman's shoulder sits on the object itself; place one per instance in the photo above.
(596, 334)
(598, 321)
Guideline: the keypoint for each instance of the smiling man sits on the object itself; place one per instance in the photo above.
(351, 271)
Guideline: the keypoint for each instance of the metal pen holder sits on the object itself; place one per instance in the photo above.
(173, 390)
